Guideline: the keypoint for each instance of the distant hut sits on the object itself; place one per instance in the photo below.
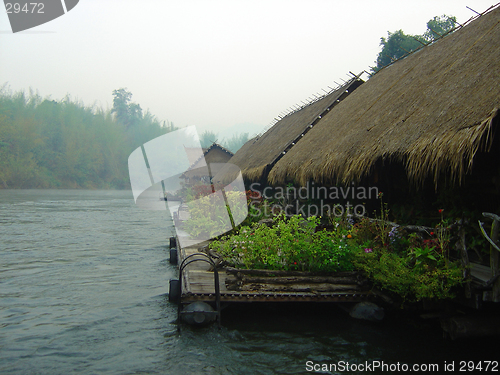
(215, 156)
(194, 153)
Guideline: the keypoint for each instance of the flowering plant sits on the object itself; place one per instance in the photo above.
(289, 244)
(410, 265)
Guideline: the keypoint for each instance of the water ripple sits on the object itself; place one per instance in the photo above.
(83, 283)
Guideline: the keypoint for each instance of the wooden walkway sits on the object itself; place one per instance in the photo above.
(260, 286)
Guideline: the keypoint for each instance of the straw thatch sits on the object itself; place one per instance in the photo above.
(259, 154)
(431, 111)
(194, 153)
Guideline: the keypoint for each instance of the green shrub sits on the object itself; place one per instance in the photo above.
(289, 244)
(420, 274)
(210, 216)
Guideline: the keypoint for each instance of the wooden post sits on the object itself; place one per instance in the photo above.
(465, 263)
(494, 258)
(494, 254)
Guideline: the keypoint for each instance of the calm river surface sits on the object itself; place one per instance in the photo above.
(83, 289)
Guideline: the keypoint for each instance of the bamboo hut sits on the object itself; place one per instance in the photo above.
(193, 153)
(215, 157)
(431, 111)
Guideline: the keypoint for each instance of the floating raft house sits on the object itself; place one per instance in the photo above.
(241, 285)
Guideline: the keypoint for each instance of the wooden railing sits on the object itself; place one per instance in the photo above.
(494, 282)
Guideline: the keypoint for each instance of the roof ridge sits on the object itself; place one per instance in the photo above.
(304, 105)
(206, 151)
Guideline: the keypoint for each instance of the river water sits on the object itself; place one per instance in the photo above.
(83, 289)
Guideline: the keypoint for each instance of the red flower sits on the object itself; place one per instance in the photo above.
(440, 210)
(432, 233)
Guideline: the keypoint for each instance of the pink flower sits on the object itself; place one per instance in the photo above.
(368, 250)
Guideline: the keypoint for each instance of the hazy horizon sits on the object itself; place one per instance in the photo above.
(218, 65)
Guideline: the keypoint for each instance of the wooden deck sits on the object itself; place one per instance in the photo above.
(259, 286)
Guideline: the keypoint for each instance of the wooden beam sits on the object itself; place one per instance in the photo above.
(494, 255)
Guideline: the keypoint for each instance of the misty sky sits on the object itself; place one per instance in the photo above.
(213, 64)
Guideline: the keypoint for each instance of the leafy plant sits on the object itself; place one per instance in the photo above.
(382, 223)
(443, 234)
(214, 214)
(420, 274)
(423, 253)
(289, 244)
(412, 266)
(365, 231)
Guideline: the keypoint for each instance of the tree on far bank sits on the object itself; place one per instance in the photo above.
(128, 114)
(46, 143)
(234, 143)
(207, 138)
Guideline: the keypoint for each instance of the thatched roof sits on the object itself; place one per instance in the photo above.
(210, 157)
(216, 154)
(431, 111)
(258, 155)
(194, 153)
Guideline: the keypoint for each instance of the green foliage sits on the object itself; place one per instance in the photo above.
(413, 266)
(121, 106)
(207, 138)
(422, 254)
(410, 265)
(234, 143)
(438, 26)
(397, 43)
(128, 114)
(421, 274)
(210, 216)
(64, 144)
(382, 223)
(395, 46)
(289, 244)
